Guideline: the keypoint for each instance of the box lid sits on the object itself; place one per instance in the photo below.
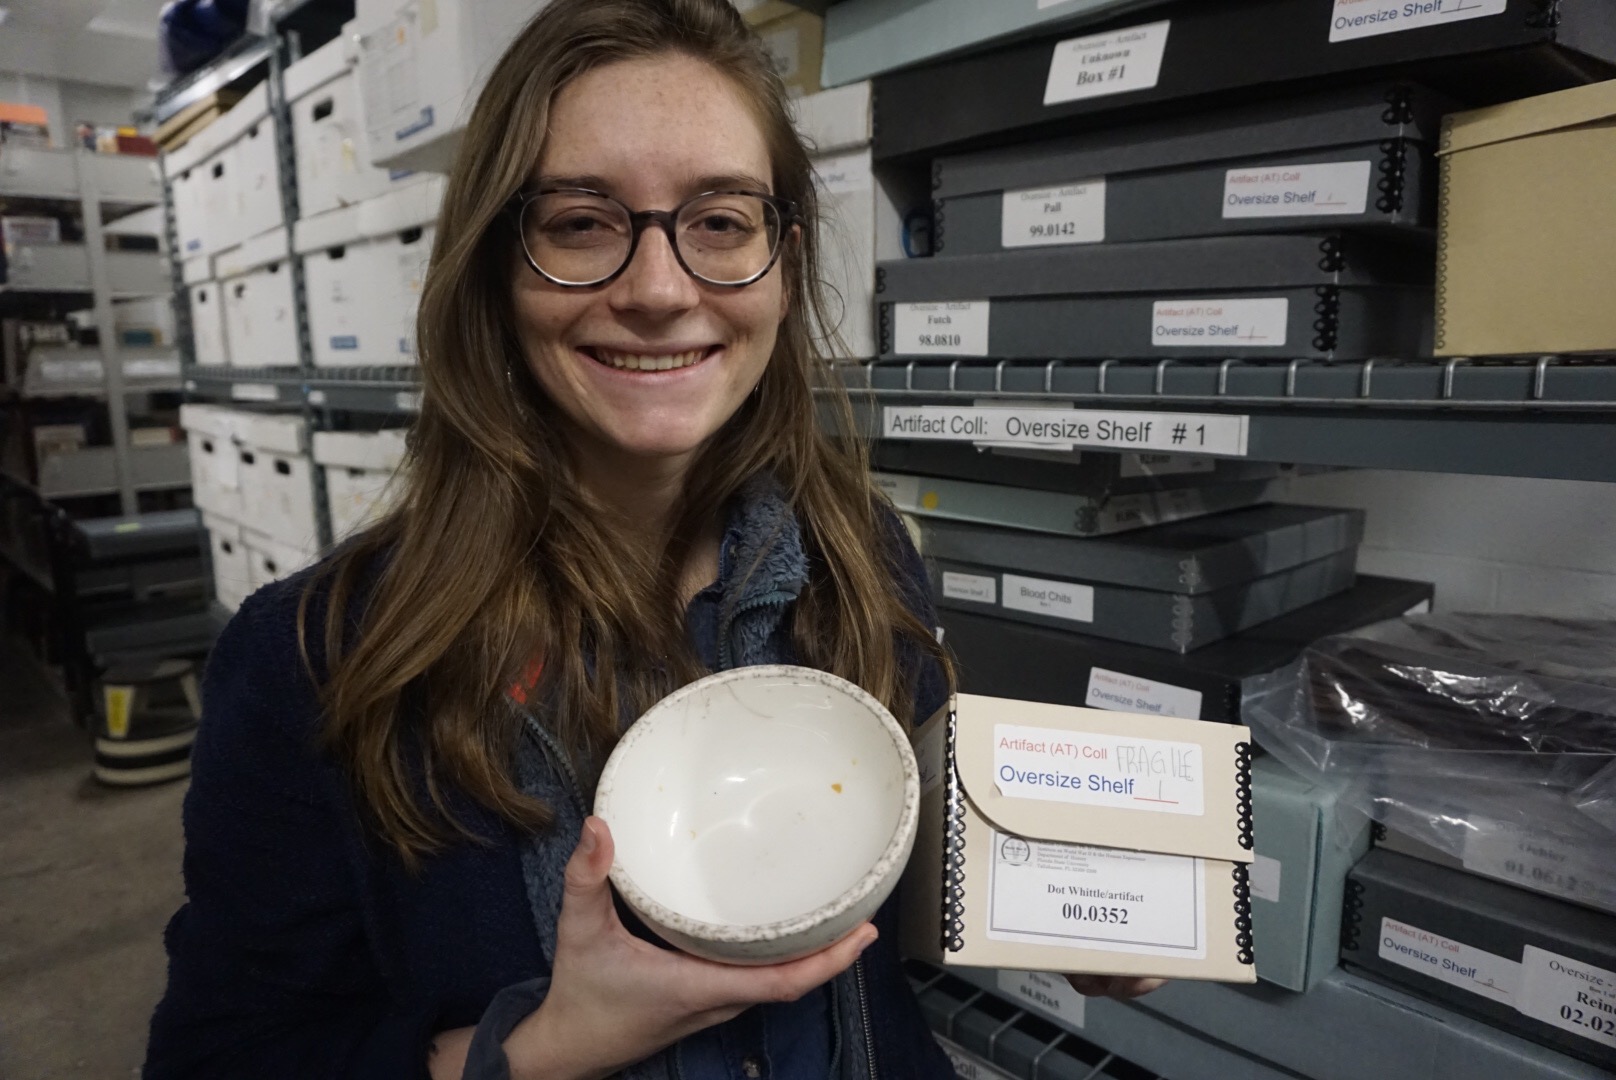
(272, 432)
(835, 120)
(197, 269)
(261, 250)
(1283, 125)
(328, 230)
(1109, 779)
(379, 450)
(197, 149)
(214, 420)
(402, 209)
(328, 62)
(221, 526)
(1530, 116)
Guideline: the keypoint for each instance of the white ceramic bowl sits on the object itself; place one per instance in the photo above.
(761, 813)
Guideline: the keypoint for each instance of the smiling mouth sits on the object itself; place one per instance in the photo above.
(629, 361)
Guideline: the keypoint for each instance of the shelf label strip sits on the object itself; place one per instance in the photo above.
(1185, 433)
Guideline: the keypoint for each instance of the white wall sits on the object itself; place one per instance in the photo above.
(1541, 547)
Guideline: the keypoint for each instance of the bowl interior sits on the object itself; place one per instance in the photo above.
(755, 799)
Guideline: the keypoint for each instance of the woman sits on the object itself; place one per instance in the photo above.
(616, 484)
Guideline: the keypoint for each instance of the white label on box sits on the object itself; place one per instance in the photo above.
(1083, 897)
(1057, 599)
(983, 590)
(904, 491)
(967, 1066)
(1275, 191)
(930, 756)
(1129, 693)
(1140, 465)
(1201, 433)
(1114, 63)
(1452, 962)
(1050, 994)
(1212, 324)
(1354, 19)
(255, 392)
(844, 174)
(1572, 995)
(1265, 878)
(1540, 862)
(1094, 769)
(1069, 214)
(958, 328)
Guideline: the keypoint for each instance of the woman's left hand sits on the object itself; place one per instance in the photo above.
(1121, 987)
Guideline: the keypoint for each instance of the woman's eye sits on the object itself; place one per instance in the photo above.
(722, 223)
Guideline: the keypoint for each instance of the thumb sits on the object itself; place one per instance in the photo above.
(586, 903)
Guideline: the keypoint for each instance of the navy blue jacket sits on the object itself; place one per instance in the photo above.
(305, 950)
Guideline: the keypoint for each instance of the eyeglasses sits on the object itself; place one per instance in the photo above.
(578, 238)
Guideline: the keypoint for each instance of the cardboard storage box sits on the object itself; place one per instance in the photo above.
(207, 324)
(271, 560)
(277, 479)
(257, 207)
(1191, 558)
(328, 133)
(1059, 512)
(231, 582)
(66, 268)
(260, 305)
(1325, 297)
(1541, 968)
(1008, 659)
(361, 475)
(24, 231)
(210, 435)
(1306, 842)
(1527, 227)
(796, 44)
(421, 65)
(1343, 158)
(1059, 839)
(1180, 52)
(340, 283)
(1078, 472)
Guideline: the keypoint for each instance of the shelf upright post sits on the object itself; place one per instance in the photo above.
(106, 329)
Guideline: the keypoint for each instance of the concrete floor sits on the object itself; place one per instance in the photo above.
(88, 878)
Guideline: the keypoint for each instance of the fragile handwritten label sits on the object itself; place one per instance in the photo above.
(1129, 693)
(1049, 994)
(1449, 961)
(1073, 895)
(977, 587)
(1069, 214)
(1336, 189)
(1201, 433)
(958, 328)
(1353, 19)
(1186, 324)
(1057, 599)
(1096, 769)
(1104, 64)
(1572, 995)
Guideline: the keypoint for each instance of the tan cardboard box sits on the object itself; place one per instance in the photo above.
(1062, 839)
(1528, 223)
(797, 43)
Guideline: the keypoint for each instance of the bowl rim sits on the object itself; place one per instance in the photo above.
(874, 878)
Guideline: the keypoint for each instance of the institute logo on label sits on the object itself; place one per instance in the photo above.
(1015, 851)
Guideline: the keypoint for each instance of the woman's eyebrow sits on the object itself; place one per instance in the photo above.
(696, 186)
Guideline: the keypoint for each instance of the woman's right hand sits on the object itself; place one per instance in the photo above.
(615, 999)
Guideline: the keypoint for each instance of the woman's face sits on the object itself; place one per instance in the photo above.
(650, 133)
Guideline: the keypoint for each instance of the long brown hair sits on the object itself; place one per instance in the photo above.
(496, 555)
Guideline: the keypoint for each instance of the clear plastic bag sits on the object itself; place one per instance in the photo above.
(1491, 738)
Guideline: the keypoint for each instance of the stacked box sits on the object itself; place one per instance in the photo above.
(361, 476)
(259, 303)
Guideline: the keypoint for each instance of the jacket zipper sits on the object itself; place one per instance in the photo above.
(864, 1015)
(557, 759)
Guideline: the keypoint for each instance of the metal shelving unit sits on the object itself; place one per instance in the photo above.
(1547, 417)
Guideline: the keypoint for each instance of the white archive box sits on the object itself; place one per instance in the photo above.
(210, 435)
(333, 169)
(340, 285)
(207, 324)
(189, 222)
(250, 151)
(834, 120)
(260, 305)
(277, 490)
(401, 229)
(270, 560)
(197, 269)
(360, 469)
(200, 182)
(231, 581)
(422, 64)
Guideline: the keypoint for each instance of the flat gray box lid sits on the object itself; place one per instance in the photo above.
(1186, 557)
